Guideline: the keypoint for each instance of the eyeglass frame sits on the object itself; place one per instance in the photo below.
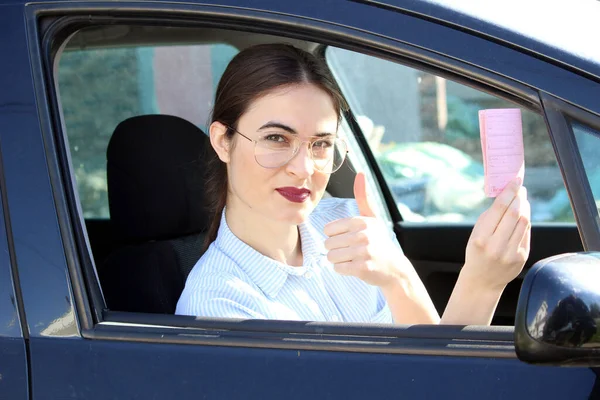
(310, 142)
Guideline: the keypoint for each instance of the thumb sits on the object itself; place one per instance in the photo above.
(360, 194)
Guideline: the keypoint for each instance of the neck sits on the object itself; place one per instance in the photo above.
(273, 239)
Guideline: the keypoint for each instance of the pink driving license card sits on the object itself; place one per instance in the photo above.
(501, 133)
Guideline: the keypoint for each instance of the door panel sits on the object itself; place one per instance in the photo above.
(423, 132)
(13, 353)
(13, 369)
(438, 253)
(103, 370)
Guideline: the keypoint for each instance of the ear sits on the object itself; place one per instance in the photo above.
(219, 141)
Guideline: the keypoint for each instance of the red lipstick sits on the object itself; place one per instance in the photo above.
(293, 194)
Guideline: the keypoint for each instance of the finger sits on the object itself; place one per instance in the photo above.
(344, 225)
(346, 240)
(489, 220)
(360, 194)
(521, 231)
(522, 234)
(526, 241)
(345, 254)
(508, 223)
(345, 268)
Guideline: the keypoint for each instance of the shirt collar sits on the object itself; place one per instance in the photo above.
(269, 275)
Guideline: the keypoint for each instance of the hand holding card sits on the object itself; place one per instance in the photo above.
(500, 241)
(502, 145)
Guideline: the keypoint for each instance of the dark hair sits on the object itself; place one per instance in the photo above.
(252, 73)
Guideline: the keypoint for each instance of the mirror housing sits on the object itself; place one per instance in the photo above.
(558, 312)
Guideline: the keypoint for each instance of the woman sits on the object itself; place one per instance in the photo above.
(278, 251)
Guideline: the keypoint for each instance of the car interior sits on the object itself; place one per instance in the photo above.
(154, 165)
(158, 219)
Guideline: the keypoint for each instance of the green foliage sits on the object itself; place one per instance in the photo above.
(98, 89)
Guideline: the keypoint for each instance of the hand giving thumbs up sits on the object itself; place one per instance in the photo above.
(361, 197)
(361, 246)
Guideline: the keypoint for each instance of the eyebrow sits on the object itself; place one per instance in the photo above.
(279, 125)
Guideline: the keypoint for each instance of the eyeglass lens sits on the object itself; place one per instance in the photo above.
(276, 149)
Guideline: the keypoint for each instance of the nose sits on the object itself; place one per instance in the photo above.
(302, 164)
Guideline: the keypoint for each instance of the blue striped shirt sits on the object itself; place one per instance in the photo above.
(233, 280)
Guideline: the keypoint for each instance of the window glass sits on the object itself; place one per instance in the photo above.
(101, 87)
(588, 142)
(424, 133)
(358, 161)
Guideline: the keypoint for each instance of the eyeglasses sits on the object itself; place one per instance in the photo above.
(277, 148)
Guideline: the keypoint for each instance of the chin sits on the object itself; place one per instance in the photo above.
(295, 214)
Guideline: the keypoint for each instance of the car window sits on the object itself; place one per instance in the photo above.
(99, 88)
(588, 142)
(424, 132)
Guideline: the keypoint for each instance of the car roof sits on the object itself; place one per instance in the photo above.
(561, 31)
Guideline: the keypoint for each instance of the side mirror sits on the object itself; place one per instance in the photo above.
(558, 313)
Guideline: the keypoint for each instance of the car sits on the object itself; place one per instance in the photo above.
(86, 301)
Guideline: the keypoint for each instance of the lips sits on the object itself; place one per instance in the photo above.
(293, 194)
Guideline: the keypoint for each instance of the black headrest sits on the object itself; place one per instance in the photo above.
(154, 172)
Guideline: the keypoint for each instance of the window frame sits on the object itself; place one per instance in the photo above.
(557, 113)
(98, 323)
(13, 321)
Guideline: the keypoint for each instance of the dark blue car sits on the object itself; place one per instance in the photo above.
(93, 259)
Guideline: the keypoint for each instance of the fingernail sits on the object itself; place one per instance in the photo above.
(518, 181)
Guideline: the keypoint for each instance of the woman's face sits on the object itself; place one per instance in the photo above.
(290, 192)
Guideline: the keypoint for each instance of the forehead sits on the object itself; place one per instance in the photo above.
(302, 107)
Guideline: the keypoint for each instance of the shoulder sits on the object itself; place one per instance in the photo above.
(212, 269)
(217, 287)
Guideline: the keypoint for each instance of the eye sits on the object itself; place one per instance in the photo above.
(323, 143)
(276, 137)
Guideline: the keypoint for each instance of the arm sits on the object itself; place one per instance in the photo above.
(470, 304)
(363, 247)
(495, 255)
(409, 301)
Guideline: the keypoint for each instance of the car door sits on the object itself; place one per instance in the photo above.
(423, 131)
(80, 349)
(13, 350)
(439, 266)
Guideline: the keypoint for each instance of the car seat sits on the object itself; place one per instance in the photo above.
(156, 200)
